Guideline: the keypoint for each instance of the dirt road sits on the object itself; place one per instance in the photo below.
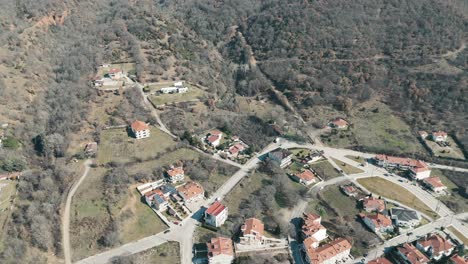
(66, 214)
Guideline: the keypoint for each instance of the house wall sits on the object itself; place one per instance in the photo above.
(142, 134)
(221, 259)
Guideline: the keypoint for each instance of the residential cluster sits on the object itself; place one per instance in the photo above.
(172, 195)
(111, 79)
(226, 146)
(318, 248)
(432, 248)
(178, 87)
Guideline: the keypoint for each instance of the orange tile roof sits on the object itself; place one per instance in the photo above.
(139, 126)
(379, 220)
(438, 244)
(340, 122)
(328, 251)
(439, 134)
(213, 138)
(175, 171)
(435, 182)
(252, 225)
(220, 246)
(236, 148)
(413, 255)
(373, 203)
(402, 161)
(190, 190)
(115, 70)
(215, 132)
(311, 224)
(216, 208)
(306, 175)
(381, 260)
(459, 260)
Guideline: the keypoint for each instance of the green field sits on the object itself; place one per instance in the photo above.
(325, 169)
(117, 146)
(193, 93)
(395, 192)
(247, 186)
(165, 160)
(90, 216)
(167, 253)
(453, 151)
(348, 169)
(376, 129)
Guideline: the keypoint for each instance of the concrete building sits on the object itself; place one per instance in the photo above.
(305, 177)
(439, 136)
(313, 228)
(435, 184)
(409, 254)
(435, 246)
(191, 192)
(220, 251)
(337, 251)
(175, 174)
(372, 204)
(281, 156)
(378, 222)
(140, 129)
(216, 214)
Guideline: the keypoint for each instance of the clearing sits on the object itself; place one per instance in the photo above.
(91, 215)
(325, 170)
(7, 192)
(193, 94)
(451, 151)
(116, 145)
(339, 215)
(348, 169)
(374, 128)
(395, 192)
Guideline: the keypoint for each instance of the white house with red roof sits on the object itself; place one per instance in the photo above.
(305, 177)
(252, 232)
(378, 223)
(372, 204)
(435, 246)
(236, 149)
(439, 136)
(418, 169)
(175, 174)
(214, 138)
(337, 251)
(116, 73)
(339, 123)
(216, 214)
(220, 251)
(457, 259)
(140, 129)
(435, 184)
(312, 227)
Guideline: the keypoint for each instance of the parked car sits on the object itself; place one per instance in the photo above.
(167, 231)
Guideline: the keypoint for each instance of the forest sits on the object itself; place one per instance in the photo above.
(408, 54)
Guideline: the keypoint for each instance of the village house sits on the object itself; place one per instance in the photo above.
(409, 254)
(423, 134)
(191, 192)
(116, 74)
(381, 260)
(220, 251)
(378, 222)
(305, 177)
(349, 190)
(177, 88)
(338, 123)
(439, 136)
(214, 138)
(312, 228)
(372, 204)
(236, 149)
(417, 168)
(334, 252)
(140, 129)
(252, 232)
(435, 246)
(282, 157)
(156, 199)
(456, 259)
(435, 184)
(175, 174)
(216, 214)
(405, 217)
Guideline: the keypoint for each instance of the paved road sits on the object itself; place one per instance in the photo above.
(66, 214)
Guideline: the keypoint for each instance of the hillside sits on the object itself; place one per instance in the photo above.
(295, 64)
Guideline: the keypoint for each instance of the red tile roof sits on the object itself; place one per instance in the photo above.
(381, 260)
(175, 171)
(328, 251)
(372, 203)
(190, 190)
(252, 225)
(139, 126)
(435, 182)
(216, 132)
(340, 122)
(439, 244)
(379, 220)
(402, 161)
(439, 134)
(311, 224)
(236, 148)
(115, 70)
(306, 175)
(220, 246)
(213, 138)
(413, 255)
(459, 260)
(216, 208)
